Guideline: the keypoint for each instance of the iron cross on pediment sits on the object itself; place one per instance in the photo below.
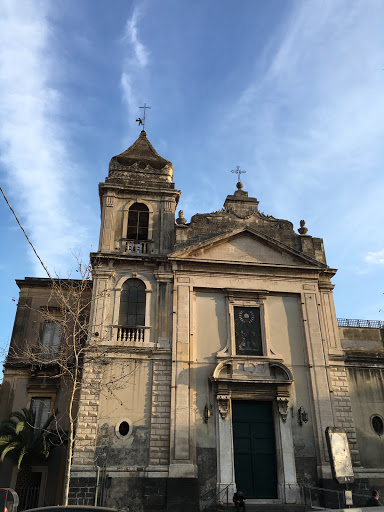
(238, 171)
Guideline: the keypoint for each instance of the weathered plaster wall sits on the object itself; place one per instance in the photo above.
(286, 338)
(126, 395)
(20, 391)
(211, 337)
(361, 338)
(6, 397)
(366, 392)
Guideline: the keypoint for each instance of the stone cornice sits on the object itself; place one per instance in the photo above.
(122, 189)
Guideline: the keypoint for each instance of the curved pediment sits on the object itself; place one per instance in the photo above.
(238, 369)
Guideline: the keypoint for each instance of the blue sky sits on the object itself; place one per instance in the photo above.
(292, 91)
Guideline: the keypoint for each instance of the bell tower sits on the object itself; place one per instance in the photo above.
(138, 202)
(131, 319)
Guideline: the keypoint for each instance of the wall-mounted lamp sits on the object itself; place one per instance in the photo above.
(207, 413)
(303, 416)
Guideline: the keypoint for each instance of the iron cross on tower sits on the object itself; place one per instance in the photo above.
(140, 120)
(238, 171)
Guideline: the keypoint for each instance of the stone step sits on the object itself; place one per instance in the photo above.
(266, 507)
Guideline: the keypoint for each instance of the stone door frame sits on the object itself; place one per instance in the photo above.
(275, 390)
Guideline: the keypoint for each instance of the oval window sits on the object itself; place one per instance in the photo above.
(377, 425)
(124, 428)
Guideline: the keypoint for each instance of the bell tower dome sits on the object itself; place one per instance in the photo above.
(138, 202)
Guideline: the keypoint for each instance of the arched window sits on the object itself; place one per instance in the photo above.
(138, 217)
(132, 303)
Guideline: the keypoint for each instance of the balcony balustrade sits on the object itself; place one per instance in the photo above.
(135, 246)
(371, 324)
(126, 334)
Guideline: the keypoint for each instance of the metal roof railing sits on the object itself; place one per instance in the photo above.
(372, 324)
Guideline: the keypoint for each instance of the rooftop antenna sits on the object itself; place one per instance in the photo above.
(140, 120)
(238, 171)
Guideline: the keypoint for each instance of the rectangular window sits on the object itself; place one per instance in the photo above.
(51, 338)
(248, 337)
(42, 408)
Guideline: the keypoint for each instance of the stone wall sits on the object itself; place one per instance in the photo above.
(82, 491)
(367, 391)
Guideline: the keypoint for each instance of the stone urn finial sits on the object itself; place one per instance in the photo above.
(180, 221)
(302, 229)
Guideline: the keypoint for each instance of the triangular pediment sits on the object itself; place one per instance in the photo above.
(245, 246)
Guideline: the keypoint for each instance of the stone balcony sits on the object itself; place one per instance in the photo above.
(135, 247)
(131, 334)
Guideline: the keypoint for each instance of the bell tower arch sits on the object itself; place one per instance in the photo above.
(138, 202)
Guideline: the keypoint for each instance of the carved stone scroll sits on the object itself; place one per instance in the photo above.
(223, 404)
(282, 404)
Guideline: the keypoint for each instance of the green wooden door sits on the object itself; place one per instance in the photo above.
(254, 447)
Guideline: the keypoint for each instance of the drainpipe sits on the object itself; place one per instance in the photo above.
(97, 484)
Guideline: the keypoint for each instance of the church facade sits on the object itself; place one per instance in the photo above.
(223, 362)
(227, 329)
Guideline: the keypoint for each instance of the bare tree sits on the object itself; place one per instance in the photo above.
(62, 346)
(59, 348)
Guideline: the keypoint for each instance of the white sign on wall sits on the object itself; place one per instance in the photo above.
(340, 455)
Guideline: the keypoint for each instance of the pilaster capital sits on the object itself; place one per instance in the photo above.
(326, 286)
(163, 277)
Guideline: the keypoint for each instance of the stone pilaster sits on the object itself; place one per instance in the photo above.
(182, 464)
(319, 377)
(86, 427)
(160, 414)
(343, 408)
(107, 230)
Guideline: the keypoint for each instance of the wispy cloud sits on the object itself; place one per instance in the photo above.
(135, 62)
(129, 96)
(131, 35)
(35, 162)
(375, 257)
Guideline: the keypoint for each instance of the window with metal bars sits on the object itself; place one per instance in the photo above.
(50, 338)
(132, 303)
(138, 218)
(41, 407)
